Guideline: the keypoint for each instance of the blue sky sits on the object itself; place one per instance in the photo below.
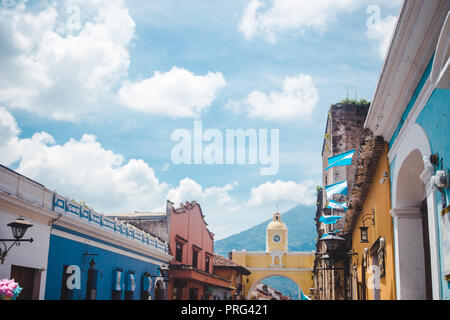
(91, 92)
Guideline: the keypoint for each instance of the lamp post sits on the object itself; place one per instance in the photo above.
(18, 228)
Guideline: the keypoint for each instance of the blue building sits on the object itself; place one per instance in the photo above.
(411, 111)
(92, 256)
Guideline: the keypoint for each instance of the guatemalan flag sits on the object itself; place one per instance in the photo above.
(329, 219)
(332, 233)
(337, 188)
(342, 159)
(336, 205)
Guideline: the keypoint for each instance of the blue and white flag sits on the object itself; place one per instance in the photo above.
(303, 296)
(335, 232)
(336, 205)
(342, 159)
(344, 205)
(337, 188)
(329, 219)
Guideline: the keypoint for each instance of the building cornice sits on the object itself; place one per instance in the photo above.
(412, 46)
(98, 233)
(406, 213)
(26, 209)
(280, 269)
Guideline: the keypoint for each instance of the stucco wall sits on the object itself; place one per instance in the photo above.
(435, 120)
(378, 198)
(64, 251)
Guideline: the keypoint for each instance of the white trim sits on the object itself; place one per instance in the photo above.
(99, 245)
(414, 41)
(414, 138)
(281, 269)
(434, 248)
(26, 209)
(441, 71)
(405, 213)
(111, 237)
(263, 253)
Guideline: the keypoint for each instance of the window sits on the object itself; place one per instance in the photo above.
(193, 294)
(179, 252)
(177, 293)
(207, 264)
(195, 258)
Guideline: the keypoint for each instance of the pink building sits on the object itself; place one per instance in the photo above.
(192, 245)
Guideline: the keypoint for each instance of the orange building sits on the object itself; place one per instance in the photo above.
(233, 272)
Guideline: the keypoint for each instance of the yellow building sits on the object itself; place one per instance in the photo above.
(276, 260)
(369, 225)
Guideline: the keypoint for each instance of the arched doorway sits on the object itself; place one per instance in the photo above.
(413, 212)
(281, 283)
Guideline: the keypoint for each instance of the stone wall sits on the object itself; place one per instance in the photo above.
(344, 131)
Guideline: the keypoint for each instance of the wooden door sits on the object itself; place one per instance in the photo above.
(27, 280)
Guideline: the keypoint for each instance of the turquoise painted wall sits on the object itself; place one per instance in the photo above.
(435, 120)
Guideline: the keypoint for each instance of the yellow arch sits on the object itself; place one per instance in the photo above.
(296, 266)
(256, 282)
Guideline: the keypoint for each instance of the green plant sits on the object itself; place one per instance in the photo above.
(360, 102)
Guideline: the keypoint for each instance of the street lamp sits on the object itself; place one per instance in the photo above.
(364, 229)
(331, 241)
(18, 228)
(164, 270)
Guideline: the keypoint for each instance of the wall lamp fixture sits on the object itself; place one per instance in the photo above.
(18, 228)
(164, 271)
(364, 228)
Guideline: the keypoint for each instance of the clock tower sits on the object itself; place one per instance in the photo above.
(276, 235)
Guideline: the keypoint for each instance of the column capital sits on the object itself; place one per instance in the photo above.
(426, 175)
(406, 213)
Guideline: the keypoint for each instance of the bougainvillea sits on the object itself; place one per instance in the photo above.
(9, 289)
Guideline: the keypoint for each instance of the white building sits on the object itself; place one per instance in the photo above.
(23, 197)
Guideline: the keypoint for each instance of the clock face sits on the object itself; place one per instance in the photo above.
(276, 238)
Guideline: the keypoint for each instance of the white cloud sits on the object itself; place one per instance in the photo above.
(285, 193)
(85, 171)
(296, 101)
(381, 34)
(290, 15)
(82, 169)
(177, 93)
(61, 73)
(211, 198)
(69, 59)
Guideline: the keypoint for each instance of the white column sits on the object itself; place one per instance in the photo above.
(409, 254)
(432, 229)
